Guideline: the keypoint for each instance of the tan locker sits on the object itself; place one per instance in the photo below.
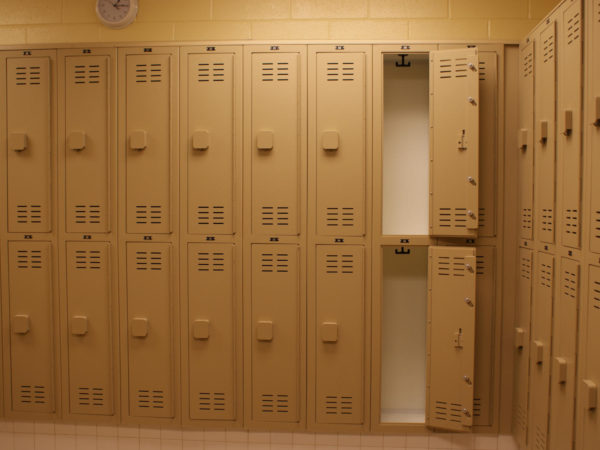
(539, 353)
(32, 327)
(340, 142)
(29, 143)
(451, 338)
(454, 122)
(211, 331)
(564, 350)
(90, 329)
(545, 133)
(87, 146)
(275, 333)
(275, 143)
(593, 105)
(210, 142)
(340, 334)
(150, 337)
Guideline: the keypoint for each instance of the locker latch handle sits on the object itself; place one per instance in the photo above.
(20, 324)
(597, 108)
(139, 327)
(330, 140)
(79, 325)
(138, 140)
(200, 329)
(538, 352)
(264, 330)
(462, 140)
(17, 142)
(264, 140)
(543, 131)
(457, 339)
(329, 331)
(523, 138)
(590, 395)
(76, 140)
(568, 125)
(560, 369)
(519, 338)
(201, 140)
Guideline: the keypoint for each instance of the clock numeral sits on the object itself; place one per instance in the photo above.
(86, 51)
(148, 50)
(210, 49)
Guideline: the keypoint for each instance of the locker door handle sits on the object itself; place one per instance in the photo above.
(139, 327)
(543, 131)
(264, 140)
(523, 137)
(568, 125)
(590, 395)
(200, 140)
(330, 140)
(264, 330)
(560, 369)
(329, 331)
(17, 142)
(138, 140)
(76, 140)
(200, 329)
(538, 352)
(20, 324)
(79, 325)
(519, 338)
(597, 112)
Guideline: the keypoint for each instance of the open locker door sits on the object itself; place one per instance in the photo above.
(454, 122)
(451, 338)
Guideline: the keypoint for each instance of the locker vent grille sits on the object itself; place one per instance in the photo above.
(208, 72)
(528, 64)
(519, 417)
(571, 221)
(87, 74)
(339, 404)
(337, 71)
(597, 4)
(148, 260)
(453, 68)
(450, 412)
(452, 217)
(211, 215)
(29, 259)
(211, 262)
(547, 220)
(540, 438)
(275, 215)
(87, 213)
(275, 403)
(482, 217)
(596, 295)
(339, 263)
(340, 217)
(451, 266)
(526, 268)
(569, 285)
(88, 259)
(596, 225)
(482, 265)
(482, 70)
(147, 398)
(28, 75)
(546, 275)
(87, 396)
(274, 262)
(33, 395)
(279, 71)
(526, 219)
(211, 401)
(149, 73)
(476, 407)
(148, 214)
(574, 28)
(548, 51)
(29, 213)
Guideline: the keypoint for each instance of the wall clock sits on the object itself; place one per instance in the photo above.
(116, 13)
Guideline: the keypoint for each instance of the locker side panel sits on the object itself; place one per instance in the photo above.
(593, 104)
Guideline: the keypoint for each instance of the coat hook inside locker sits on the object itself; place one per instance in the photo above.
(403, 62)
(402, 251)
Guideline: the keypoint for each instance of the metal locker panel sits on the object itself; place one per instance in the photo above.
(90, 328)
(32, 335)
(150, 339)
(540, 363)
(563, 362)
(210, 143)
(275, 146)
(340, 334)
(341, 111)
(593, 106)
(275, 333)
(29, 136)
(451, 337)
(211, 331)
(454, 119)
(149, 124)
(87, 143)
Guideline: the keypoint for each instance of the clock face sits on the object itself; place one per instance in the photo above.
(116, 13)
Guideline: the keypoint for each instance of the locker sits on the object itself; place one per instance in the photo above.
(545, 134)
(593, 105)
(540, 363)
(340, 142)
(451, 338)
(454, 119)
(32, 327)
(564, 351)
(150, 338)
(340, 334)
(87, 143)
(29, 143)
(275, 333)
(90, 329)
(211, 331)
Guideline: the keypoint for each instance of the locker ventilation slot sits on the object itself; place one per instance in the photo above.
(29, 259)
(211, 262)
(29, 213)
(87, 396)
(540, 439)
(211, 401)
(526, 219)
(275, 403)
(275, 215)
(482, 70)
(148, 260)
(339, 263)
(211, 215)
(148, 214)
(574, 28)
(548, 51)
(527, 65)
(596, 295)
(28, 76)
(85, 259)
(452, 217)
(87, 213)
(453, 68)
(274, 262)
(451, 266)
(526, 268)
(482, 217)
(482, 265)
(148, 73)
(520, 418)
(151, 398)
(275, 71)
(340, 217)
(476, 407)
(451, 412)
(546, 275)
(569, 284)
(32, 395)
(340, 71)
(339, 405)
(571, 221)
(547, 220)
(208, 72)
(596, 225)
(86, 74)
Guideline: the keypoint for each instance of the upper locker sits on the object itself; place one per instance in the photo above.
(454, 143)
(593, 123)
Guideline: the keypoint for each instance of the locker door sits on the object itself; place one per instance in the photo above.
(150, 331)
(87, 146)
(275, 329)
(90, 328)
(31, 304)
(451, 337)
(522, 344)
(210, 143)
(454, 118)
(29, 151)
(148, 127)
(564, 349)
(275, 146)
(340, 334)
(545, 133)
(526, 146)
(211, 331)
(341, 143)
(593, 104)
(540, 364)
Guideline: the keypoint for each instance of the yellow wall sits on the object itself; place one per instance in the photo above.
(45, 21)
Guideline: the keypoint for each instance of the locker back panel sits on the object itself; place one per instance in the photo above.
(594, 133)
(29, 150)
(340, 143)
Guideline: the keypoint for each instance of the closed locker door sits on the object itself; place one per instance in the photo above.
(593, 105)
(211, 331)
(148, 129)
(87, 146)
(275, 333)
(564, 349)
(545, 134)
(32, 335)
(340, 334)
(150, 341)
(29, 140)
(451, 338)
(341, 111)
(539, 354)
(275, 143)
(210, 143)
(454, 119)
(525, 141)
(90, 328)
